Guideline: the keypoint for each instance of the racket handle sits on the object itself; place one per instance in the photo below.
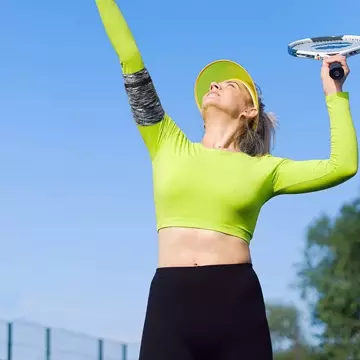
(336, 71)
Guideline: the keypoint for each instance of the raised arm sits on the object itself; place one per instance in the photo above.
(154, 124)
(292, 177)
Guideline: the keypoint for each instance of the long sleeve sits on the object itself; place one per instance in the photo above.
(120, 36)
(154, 124)
(290, 177)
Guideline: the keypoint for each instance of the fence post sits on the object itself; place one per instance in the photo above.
(47, 344)
(101, 349)
(124, 352)
(9, 340)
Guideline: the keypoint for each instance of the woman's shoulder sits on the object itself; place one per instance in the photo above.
(272, 161)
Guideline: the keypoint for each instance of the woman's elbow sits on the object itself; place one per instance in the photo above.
(349, 170)
(353, 170)
(342, 171)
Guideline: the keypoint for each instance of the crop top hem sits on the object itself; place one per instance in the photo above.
(225, 229)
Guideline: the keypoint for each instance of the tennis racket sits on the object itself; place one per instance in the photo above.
(318, 48)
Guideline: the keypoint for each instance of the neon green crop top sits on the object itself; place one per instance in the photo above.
(213, 189)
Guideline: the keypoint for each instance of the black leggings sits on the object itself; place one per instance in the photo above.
(213, 312)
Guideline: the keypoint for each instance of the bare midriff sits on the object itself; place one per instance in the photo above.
(198, 247)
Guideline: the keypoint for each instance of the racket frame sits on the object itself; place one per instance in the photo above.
(319, 55)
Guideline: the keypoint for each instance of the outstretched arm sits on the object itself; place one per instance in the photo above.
(291, 177)
(154, 124)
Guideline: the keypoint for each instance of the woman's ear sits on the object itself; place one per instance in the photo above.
(251, 112)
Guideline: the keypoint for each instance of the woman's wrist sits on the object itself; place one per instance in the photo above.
(333, 90)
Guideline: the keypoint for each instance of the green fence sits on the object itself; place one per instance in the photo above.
(21, 340)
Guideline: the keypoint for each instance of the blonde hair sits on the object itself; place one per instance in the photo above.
(258, 142)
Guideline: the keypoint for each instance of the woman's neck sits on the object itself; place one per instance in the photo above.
(222, 133)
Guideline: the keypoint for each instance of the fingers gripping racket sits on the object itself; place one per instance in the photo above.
(318, 48)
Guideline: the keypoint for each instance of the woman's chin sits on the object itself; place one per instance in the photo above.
(209, 102)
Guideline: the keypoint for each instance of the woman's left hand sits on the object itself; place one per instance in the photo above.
(330, 85)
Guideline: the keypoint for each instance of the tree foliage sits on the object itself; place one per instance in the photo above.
(286, 333)
(284, 325)
(330, 281)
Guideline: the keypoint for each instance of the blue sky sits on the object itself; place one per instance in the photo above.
(77, 222)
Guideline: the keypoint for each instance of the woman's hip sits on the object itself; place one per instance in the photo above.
(209, 302)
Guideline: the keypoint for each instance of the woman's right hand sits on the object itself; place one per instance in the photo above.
(330, 85)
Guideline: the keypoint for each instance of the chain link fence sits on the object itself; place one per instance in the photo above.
(21, 340)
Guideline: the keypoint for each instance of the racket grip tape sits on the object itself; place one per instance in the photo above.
(336, 71)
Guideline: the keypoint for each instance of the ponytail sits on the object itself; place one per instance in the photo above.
(258, 142)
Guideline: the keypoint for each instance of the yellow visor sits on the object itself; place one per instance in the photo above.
(219, 71)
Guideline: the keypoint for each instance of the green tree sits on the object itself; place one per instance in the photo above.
(330, 281)
(284, 325)
(303, 352)
(286, 333)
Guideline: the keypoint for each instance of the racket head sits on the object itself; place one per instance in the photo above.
(320, 47)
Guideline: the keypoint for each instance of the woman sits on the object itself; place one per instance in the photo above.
(205, 300)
